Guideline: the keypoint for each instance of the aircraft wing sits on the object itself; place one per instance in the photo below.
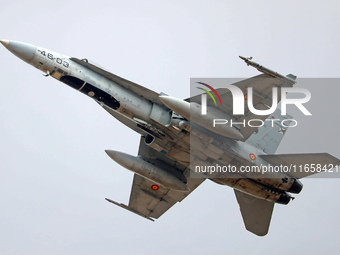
(145, 201)
(153, 203)
(262, 98)
(148, 202)
(256, 213)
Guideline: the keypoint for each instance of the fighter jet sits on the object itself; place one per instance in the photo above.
(181, 144)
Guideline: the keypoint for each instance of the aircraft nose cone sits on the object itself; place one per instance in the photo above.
(23, 51)
(4, 42)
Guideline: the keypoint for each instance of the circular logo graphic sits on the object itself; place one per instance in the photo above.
(252, 156)
(155, 187)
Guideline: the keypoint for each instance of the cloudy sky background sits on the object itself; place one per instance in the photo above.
(55, 173)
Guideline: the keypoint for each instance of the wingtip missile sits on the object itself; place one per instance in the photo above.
(266, 70)
(246, 59)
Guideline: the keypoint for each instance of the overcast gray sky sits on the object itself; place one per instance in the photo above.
(55, 173)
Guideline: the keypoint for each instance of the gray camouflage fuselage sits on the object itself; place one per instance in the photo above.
(167, 137)
(174, 144)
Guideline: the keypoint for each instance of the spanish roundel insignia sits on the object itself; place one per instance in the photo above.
(155, 187)
(252, 156)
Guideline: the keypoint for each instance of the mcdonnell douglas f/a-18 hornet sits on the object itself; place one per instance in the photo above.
(184, 142)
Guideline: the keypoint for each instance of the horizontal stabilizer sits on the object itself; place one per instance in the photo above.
(303, 165)
(256, 213)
